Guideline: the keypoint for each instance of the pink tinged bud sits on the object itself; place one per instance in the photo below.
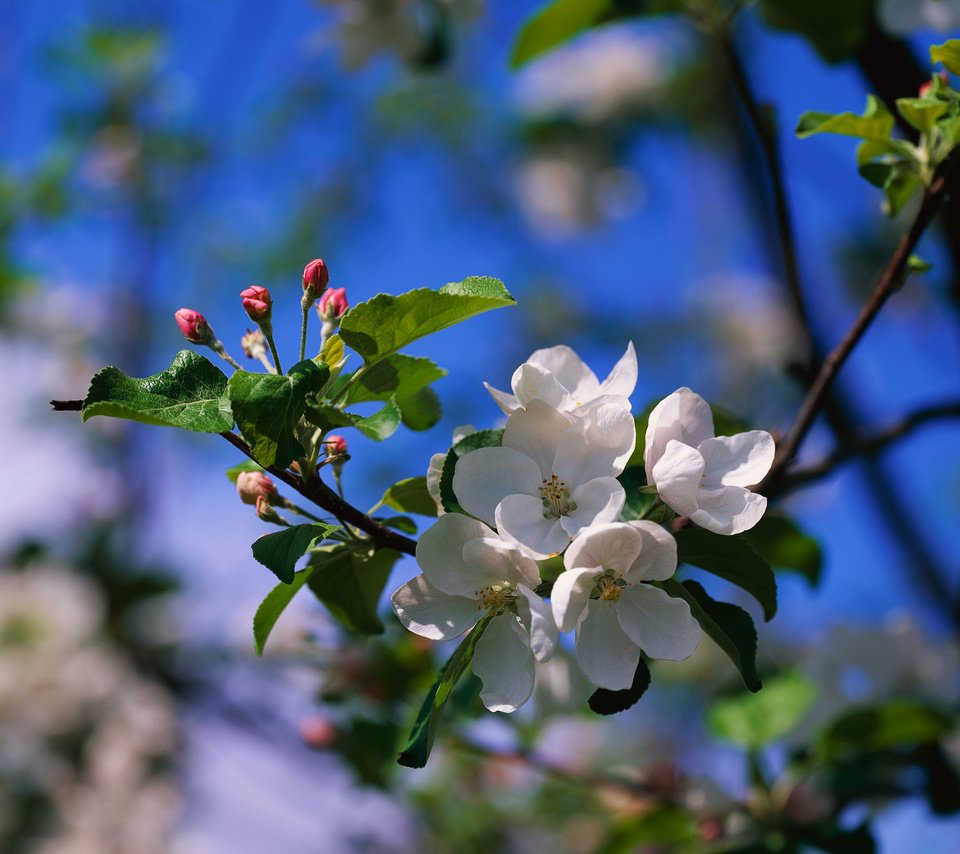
(252, 486)
(194, 326)
(336, 445)
(927, 87)
(317, 732)
(256, 302)
(333, 304)
(315, 278)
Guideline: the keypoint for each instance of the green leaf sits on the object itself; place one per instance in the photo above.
(555, 24)
(473, 442)
(273, 606)
(639, 501)
(397, 375)
(729, 626)
(247, 465)
(917, 265)
(381, 326)
(268, 406)
(379, 426)
(424, 731)
(421, 410)
(409, 496)
(876, 123)
(836, 30)
(920, 112)
(948, 53)
(189, 394)
(753, 721)
(783, 545)
(732, 558)
(280, 552)
(349, 581)
(894, 724)
(603, 701)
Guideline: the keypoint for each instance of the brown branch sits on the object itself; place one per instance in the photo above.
(889, 282)
(66, 405)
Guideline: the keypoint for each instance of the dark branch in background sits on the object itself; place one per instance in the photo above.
(315, 490)
(867, 445)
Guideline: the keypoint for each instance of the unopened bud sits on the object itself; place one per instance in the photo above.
(317, 732)
(253, 485)
(194, 326)
(256, 302)
(315, 279)
(254, 344)
(336, 445)
(333, 304)
(267, 513)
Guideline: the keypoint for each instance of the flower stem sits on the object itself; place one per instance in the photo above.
(303, 327)
(273, 351)
(218, 348)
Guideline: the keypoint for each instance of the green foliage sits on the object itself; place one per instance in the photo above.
(662, 828)
(836, 30)
(247, 465)
(948, 53)
(379, 327)
(753, 721)
(897, 723)
(639, 502)
(424, 731)
(409, 496)
(730, 627)
(379, 426)
(267, 408)
(398, 376)
(273, 606)
(349, 580)
(420, 410)
(603, 701)
(732, 558)
(190, 394)
(473, 442)
(783, 545)
(876, 123)
(279, 552)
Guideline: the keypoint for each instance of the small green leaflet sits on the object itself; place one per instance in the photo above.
(247, 465)
(349, 581)
(379, 426)
(424, 732)
(379, 327)
(554, 24)
(948, 53)
(731, 558)
(190, 394)
(728, 625)
(876, 123)
(408, 496)
(420, 410)
(267, 408)
(399, 375)
(473, 442)
(273, 606)
(753, 721)
(280, 552)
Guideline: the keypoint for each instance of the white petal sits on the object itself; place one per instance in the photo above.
(604, 652)
(598, 501)
(431, 613)
(504, 663)
(684, 416)
(520, 521)
(658, 556)
(660, 625)
(532, 382)
(612, 546)
(506, 401)
(539, 620)
(599, 443)
(570, 594)
(500, 561)
(569, 370)
(434, 470)
(535, 432)
(677, 476)
(740, 460)
(440, 553)
(623, 378)
(483, 478)
(729, 510)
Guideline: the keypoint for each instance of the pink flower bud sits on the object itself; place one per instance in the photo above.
(315, 278)
(253, 344)
(333, 304)
(336, 445)
(256, 302)
(317, 732)
(194, 326)
(254, 485)
(927, 87)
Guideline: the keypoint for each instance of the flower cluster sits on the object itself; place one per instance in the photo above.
(551, 488)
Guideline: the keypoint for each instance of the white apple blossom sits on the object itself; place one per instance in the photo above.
(552, 476)
(468, 572)
(616, 615)
(559, 377)
(702, 476)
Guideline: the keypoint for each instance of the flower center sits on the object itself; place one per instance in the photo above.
(609, 587)
(497, 596)
(556, 498)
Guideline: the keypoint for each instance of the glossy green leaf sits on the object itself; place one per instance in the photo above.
(948, 53)
(424, 732)
(473, 442)
(398, 376)
(729, 626)
(379, 426)
(876, 123)
(273, 606)
(268, 406)
(753, 721)
(921, 113)
(279, 552)
(349, 581)
(409, 496)
(190, 394)
(381, 326)
(603, 701)
(731, 558)
(783, 545)
(420, 410)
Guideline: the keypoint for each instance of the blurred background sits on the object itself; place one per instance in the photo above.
(166, 154)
